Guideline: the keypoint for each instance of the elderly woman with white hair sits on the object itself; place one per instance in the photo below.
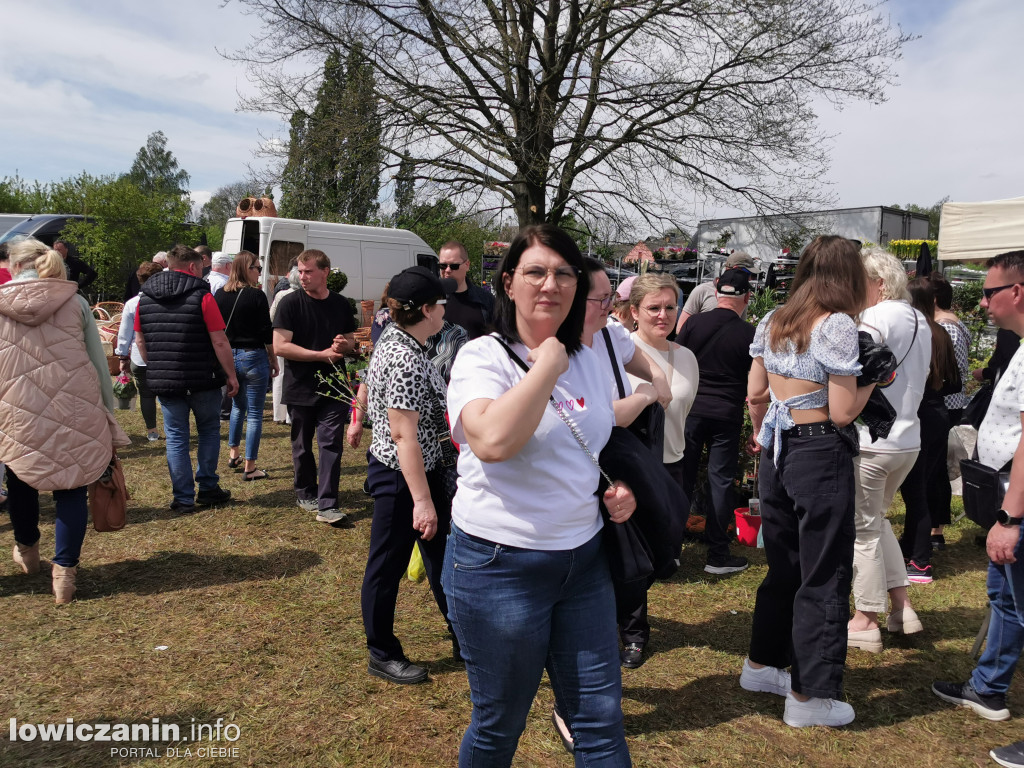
(882, 466)
(57, 428)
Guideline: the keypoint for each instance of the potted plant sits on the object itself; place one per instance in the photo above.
(124, 391)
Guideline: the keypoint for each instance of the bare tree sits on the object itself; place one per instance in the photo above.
(607, 108)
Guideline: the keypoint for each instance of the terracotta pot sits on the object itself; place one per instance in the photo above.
(245, 207)
(264, 206)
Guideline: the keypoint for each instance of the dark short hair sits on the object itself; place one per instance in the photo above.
(558, 240)
(146, 270)
(1010, 261)
(406, 317)
(323, 261)
(180, 255)
(592, 266)
(203, 250)
(943, 290)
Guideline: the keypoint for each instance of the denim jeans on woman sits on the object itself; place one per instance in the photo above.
(1006, 629)
(72, 518)
(252, 366)
(517, 612)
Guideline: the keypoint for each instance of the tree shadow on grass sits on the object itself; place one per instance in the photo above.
(173, 571)
(196, 729)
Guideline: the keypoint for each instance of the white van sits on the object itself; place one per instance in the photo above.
(369, 256)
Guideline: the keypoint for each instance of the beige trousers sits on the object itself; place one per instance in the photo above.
(877, 559)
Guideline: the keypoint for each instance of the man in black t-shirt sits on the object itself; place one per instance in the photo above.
(469, 305)
(313, 329)
(720, 339)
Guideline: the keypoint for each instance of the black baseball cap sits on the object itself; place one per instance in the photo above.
(734, 282)
(416, 286)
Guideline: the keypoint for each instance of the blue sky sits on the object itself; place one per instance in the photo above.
(84, 84)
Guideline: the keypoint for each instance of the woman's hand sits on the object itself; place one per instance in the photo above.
(424, 518)
(647, 391)
(620, 502)
(551, 354)
(354, 433)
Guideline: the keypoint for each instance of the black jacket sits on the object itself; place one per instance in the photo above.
(179, 353)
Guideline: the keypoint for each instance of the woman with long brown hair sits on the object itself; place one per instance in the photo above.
(805, 371)
(247, 315)
(930, 467)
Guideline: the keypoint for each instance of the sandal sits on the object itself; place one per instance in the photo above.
(235, 463)
(256, 474)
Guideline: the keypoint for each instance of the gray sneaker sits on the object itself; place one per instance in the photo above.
(308, 505)
(334, 517)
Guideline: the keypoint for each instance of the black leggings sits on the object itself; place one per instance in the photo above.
(147, 400)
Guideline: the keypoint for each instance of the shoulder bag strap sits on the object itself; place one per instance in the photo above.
(912, 340)
(233, 306)
(615, 362)
(568, 422)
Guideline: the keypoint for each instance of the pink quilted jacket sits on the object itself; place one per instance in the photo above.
(55, 432)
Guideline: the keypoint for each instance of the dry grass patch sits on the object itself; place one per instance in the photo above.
(258, 607)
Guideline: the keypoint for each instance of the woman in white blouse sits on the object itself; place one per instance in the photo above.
(654, 305)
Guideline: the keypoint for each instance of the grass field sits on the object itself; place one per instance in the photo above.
(250, 613)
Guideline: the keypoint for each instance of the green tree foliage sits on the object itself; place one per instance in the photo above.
(127, 225)
(18, 196)
(405, 188)
(221, 206)
(440, 221)
(334, 152)
(156, 169)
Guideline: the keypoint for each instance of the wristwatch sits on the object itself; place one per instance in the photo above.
(1003, 518)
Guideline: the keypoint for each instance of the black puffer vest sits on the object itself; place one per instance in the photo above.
(180, 356)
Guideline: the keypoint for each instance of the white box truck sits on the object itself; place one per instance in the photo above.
(369, 256)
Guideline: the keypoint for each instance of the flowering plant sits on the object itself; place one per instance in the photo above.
(124, 386)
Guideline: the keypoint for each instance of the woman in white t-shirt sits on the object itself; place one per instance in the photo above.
(654, 304)
(883, 465)
(525, 575)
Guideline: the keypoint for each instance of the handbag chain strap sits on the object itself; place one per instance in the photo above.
(561, 414)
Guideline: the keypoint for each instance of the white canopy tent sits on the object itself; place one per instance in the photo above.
(979, 231)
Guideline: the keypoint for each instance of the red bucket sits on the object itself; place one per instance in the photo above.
(747, 526)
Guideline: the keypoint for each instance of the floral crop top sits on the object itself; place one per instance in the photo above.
(834, 350)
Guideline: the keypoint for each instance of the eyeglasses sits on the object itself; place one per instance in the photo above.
(990, 292)
(605, 303)
(453, 266)
(668, 309)
(257, 267)
(536, 275)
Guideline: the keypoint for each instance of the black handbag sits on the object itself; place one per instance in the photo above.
(649, 425)
(974, 412)
(983, 490)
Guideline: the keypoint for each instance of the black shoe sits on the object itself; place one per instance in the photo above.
(1011, 756)
(938, 542)
(567, 744)
(633, 656)
(180, 506)
(991, 707)
(212, 496)
(727, 564)
(401, 671)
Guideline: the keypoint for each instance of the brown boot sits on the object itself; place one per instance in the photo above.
(64, 583)
(27, 557)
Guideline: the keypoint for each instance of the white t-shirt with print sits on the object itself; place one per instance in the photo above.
(544, 497)
(1000, 432)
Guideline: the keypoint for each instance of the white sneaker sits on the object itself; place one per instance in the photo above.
(800, 714)
(765, 679)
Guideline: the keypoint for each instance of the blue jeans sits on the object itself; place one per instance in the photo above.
(517, 612)
(1006, 629)
(72, 518)
(253, 369)
(206, 407)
